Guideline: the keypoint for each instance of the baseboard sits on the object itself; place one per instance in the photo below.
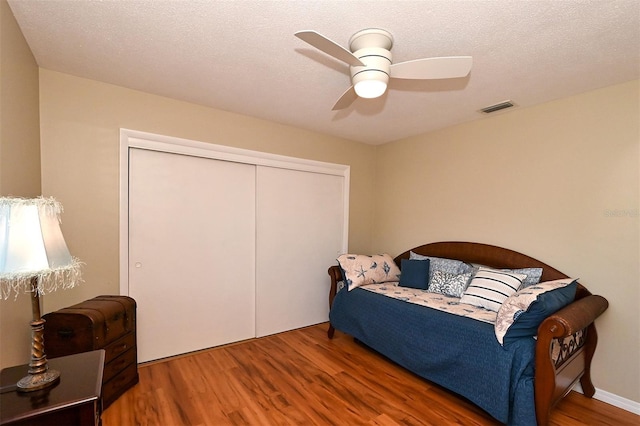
(613, 399)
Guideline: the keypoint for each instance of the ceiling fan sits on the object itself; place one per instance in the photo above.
(370, 63)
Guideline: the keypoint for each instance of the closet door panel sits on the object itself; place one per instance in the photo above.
(191, 252)
(300, 219)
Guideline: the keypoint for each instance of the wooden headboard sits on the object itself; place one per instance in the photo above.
(488, 255)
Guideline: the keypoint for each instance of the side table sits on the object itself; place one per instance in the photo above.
(74, 401)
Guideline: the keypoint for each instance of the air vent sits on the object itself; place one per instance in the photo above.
(497, 107)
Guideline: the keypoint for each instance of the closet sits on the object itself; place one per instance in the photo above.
(224, 244)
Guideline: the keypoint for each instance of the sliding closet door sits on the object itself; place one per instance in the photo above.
(191, 251)
(300, 220)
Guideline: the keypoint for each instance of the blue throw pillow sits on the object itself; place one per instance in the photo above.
(414, 273)
(521, 315)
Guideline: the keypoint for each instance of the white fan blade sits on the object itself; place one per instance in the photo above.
(329, 47)
(433, 68)
(346, 99)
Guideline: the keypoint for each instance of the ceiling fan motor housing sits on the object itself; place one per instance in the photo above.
(377, 66)
(373, 48)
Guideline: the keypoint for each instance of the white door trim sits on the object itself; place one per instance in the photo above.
(144, 140)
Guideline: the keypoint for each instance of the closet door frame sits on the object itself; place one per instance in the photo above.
(155, 142)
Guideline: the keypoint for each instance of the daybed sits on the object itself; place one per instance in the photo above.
(518, 383)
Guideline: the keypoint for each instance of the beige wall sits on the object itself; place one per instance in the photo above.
(559, 182)
(19, 163)
(80, 122)
(19, 127)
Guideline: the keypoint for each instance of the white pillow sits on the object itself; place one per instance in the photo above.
(489, 288)
(363, 269)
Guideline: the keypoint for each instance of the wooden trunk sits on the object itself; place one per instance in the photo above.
(104, 322)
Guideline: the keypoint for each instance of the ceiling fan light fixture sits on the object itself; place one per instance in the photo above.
(370, 89)
(370, 83)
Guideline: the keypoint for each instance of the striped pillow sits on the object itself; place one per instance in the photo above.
(489, 288)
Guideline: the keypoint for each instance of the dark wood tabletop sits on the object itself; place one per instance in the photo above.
(79, 388)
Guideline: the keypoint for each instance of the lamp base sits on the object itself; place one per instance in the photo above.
(40, 376)
(34, 382)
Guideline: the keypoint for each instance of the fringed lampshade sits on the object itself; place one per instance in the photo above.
(34, 259)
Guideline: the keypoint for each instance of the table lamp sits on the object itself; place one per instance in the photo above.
(34, 259)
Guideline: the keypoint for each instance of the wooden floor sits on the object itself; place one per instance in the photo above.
(303, 378)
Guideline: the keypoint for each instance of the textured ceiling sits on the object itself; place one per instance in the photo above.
(242, 56)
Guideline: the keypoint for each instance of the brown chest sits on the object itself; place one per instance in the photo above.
(104, 322)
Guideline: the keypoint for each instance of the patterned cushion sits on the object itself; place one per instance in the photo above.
(563, 348)
(490, 287)
(533, 275)
(521, 314)
(436, 301)
(415, 273)
(450, 266)
(449, 284)
(362, 269)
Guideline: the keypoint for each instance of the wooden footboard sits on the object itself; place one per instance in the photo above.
(553, 380)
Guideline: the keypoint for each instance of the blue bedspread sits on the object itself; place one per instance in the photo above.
(460, 354)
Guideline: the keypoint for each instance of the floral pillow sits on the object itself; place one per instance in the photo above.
(359, 270)
(533, 275)
(449, 284)
(523, 312)
(450, 266)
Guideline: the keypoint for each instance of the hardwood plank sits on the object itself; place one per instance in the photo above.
(576, 409)
(303, 378)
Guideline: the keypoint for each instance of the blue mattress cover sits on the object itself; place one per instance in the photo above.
(458, 353)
